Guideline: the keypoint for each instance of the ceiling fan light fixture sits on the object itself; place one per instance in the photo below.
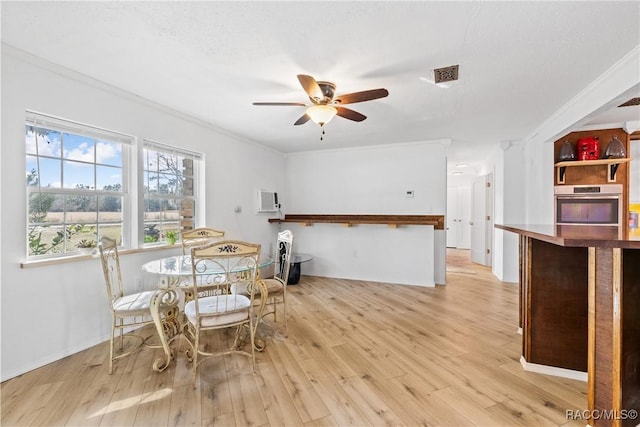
(321, 114)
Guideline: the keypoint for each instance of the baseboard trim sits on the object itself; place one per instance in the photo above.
(21, 370)
(552, 370)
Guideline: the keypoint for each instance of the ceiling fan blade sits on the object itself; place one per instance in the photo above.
(300, 104)
(350, 114)
(310, 85)
(302, 120)
(365, 95)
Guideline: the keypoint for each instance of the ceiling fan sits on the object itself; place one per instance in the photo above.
(325, 104)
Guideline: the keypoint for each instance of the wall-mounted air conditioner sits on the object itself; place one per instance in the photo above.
(267, 201)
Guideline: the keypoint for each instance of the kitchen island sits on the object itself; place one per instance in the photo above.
(579, 313)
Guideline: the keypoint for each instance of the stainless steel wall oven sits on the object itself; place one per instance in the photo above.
(588, 205)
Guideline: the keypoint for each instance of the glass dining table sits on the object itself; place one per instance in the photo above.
(175, 275)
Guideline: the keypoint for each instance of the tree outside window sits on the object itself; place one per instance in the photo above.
(74, 183)
(169, 198)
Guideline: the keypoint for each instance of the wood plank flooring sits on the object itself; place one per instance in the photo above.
(357, 354)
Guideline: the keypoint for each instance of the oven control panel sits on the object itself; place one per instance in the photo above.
(588, 189)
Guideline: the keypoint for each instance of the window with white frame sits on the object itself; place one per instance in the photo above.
(169, 185)
(76, 181)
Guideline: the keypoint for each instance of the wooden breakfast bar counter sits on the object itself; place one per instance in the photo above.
(580, 312)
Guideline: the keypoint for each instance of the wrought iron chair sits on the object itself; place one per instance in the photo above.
(128, 311)
(216, 268)
(276, 286)
(199, 237)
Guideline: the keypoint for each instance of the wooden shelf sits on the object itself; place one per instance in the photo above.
(612, 165)
(393, 221)
(592, 162)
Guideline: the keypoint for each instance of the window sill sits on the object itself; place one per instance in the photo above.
(84, 257)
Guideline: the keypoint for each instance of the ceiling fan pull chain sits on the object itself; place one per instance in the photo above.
(322, 134)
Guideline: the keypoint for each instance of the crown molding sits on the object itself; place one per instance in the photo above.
(619, 78)
(443, 142)
(76, 76)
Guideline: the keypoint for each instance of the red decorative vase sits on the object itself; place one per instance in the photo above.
(588, 148)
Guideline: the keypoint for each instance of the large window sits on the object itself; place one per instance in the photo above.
(169, 183)
(76, 178)
(79, 188)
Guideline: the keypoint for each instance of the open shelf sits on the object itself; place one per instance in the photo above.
(612, 165)
(393, 221)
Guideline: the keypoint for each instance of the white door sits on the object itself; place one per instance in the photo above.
(452, 216)
(478, 220)
(464, 218)
(458, 217)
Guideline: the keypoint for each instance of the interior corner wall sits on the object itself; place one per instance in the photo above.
(514, 208)
(371, 180)
(49, 312)
(537, 167)
(496, 159)
(620, 78)
(509, 208)
(539, 183)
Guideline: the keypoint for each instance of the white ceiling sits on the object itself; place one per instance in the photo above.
(519, 62)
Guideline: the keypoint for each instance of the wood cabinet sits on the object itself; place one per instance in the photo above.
(579, 299)
(579, 172)
(596, 172)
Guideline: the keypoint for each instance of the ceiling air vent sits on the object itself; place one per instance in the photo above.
(446, 74)
(631, 102)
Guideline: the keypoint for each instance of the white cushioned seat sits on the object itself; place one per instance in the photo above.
(226, 308)
(128, 311)
(275, 286)
(209, 305)
(242, 288)
(133, 302)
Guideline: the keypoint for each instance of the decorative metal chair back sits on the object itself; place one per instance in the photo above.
(220, 265)
(216, 268)
(283, 255)
(127, 311)
(277, 286)
(111, 268)
(199, 237)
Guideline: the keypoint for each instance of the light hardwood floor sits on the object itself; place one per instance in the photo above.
(357, 354)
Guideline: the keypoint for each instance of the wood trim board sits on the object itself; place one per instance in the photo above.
(437, 221)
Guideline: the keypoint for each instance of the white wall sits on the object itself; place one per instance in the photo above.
(617, 80)
(371, 180)
(53, 311)
(539, 183)
(496, 159)
(514, 199)
(368, 252)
